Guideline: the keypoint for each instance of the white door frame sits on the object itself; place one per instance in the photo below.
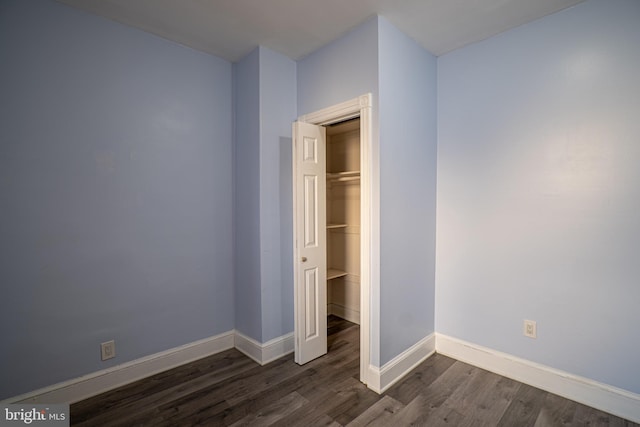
(369, 254)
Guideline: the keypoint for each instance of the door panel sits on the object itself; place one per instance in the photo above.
(311, 299)
(310, 217)
(310, 286)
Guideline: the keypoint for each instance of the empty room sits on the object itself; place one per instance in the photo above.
(222, 212)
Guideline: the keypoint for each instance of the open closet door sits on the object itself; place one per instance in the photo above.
(310, 250)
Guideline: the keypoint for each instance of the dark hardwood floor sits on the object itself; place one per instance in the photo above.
(230, 389)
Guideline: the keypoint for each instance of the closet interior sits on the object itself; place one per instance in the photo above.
(343, 220)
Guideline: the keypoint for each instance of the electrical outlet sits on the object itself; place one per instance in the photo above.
(530, 329)
(108, 350)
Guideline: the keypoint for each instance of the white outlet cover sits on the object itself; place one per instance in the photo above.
(530, 329)
(108, 350)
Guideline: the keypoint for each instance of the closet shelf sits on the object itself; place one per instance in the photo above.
(331, 226)
(343, 176)
(333, 273)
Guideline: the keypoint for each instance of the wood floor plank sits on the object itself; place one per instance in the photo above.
(463, 403)
(342, 350)
(254, 403)
(308, 415)
(524, 409)
(230, 362)
(556, 411)
(164, 391)
(586, 416)
(446, 416)
(327, 402)
(313, 413)
(412, 413)
(467, 398)
(335, 325)
(327, 381)
(493, 404)
(246, 386)
(418, 411)
(419, 378)
(380, 414)
(274, 412)
(230, 389)
(354, 398)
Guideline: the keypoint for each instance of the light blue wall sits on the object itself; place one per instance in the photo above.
(116, 194)
(277, 112)
(340, 71)
(248, 299)
(539, 191)
(265, 107)
(407, 108)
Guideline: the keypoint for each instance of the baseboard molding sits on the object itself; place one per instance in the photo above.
(98, 382)
(344, 313)
(267, 352)
(601, 396)
(380, 379)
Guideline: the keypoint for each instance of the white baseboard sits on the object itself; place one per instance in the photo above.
(267, 352)
(344, 313)
(89, 385)
(601, 396)
(380, 379)
(98, 382)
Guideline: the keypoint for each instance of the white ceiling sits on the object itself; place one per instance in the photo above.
(232, 28)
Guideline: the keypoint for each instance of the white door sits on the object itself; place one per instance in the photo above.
(310, 262)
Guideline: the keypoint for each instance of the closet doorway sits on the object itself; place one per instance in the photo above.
(343, 219)
(332, 225)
